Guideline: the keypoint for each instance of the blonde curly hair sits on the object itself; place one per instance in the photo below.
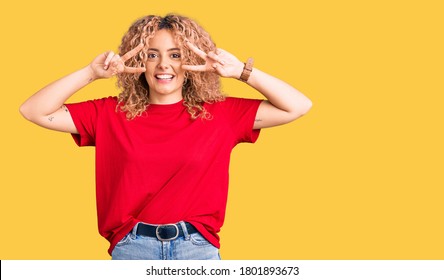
(198, 88)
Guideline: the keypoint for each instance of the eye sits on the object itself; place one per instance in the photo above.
(176, 55)
(152, 55)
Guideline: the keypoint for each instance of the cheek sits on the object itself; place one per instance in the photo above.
(149, 75)
(148, 78)
(181, 77)
(180, 73)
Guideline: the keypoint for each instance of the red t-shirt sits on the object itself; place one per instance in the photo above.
(162, 167)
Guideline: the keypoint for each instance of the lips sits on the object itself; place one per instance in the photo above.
(164, 77)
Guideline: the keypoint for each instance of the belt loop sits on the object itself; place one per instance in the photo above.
(186, 235)
(134, 231)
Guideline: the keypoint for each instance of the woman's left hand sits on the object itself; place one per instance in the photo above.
(220, 61)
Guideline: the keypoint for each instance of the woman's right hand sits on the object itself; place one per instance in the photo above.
(45, 107)
(109, 64)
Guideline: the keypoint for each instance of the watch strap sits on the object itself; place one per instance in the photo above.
(248, 67)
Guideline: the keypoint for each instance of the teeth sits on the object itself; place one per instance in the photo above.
(164, 76)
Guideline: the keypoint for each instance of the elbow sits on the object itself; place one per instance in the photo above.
(306, 107)
(301, 109)
(25, 112)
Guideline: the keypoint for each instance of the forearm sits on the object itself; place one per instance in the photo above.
(50, 98)
(280, 94)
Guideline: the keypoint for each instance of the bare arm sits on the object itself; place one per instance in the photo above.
(284, 103)
(46, 107)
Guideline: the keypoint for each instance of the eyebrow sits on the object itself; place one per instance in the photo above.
(169, 50)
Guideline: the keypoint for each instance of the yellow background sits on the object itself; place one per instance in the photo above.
(359, 177)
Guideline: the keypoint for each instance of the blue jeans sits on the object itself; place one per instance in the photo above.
(188, 247)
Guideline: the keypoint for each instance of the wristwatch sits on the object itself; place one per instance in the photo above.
(248, 67)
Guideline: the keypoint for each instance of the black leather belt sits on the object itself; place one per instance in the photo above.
(165, 232)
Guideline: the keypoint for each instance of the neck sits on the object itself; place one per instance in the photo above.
(165, 99)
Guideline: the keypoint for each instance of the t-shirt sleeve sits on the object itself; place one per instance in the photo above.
(85, 115)
(242, 114)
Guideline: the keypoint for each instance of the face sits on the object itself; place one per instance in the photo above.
(164, 73)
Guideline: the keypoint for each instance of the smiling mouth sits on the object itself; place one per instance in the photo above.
(164, 77)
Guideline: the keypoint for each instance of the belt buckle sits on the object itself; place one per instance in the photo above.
(167, 239)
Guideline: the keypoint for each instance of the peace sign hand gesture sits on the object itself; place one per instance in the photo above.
(109, 64)
(220, 61)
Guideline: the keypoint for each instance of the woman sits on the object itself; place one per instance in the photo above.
(163, 145)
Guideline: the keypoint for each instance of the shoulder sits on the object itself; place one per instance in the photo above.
(101, 103)
(234, 108)
(93, 106)
(105, 101)
(110, 100)
(230, 102)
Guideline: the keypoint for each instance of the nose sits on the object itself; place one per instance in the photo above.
(163, 63)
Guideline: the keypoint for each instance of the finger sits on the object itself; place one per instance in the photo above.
(134, 69)
(115, 61)
(109, 55)
(196, 68)
(132, 52)
(215, 57)
(220, 70)
(217, 67)
(116, 65)
(196, 50)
